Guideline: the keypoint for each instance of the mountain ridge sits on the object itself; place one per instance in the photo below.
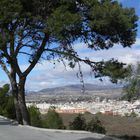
(77, 89)
(87, 87)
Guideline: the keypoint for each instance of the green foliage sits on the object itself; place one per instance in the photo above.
(132, 84)
(99, 24)
(102, 21)
(126, 114)
(7, 107)
(9, 110)
(49, 28)
(132, 114)
(79, 123)
(95, 125)
(115, 70)
(35, 116)
(53, 120)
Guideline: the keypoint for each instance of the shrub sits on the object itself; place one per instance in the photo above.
(35, 116)
(53, 120)
(9, 110)
(127, 115)
(79, 123)
(95, 125)
(133, 114)
(7, 107)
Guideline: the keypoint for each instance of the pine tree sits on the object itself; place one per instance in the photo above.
(53, 120)
(79, 123)
(30, 28)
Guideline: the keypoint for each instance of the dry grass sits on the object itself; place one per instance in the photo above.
(115, 125)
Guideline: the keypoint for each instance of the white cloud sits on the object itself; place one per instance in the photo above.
(137, 43)
(45, 75)
(126, 55)
(54, 77)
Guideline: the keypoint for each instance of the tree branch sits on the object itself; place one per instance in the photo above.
(5, 68)
(37, 56)
(21, 52)
(87, 61)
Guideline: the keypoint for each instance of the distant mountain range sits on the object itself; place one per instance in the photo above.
(91, 89)
(78, 87)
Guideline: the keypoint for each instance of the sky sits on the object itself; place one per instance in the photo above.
(48, 75)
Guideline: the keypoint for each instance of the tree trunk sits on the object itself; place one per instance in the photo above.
(18, 112)
(21, 101)
(15, 96)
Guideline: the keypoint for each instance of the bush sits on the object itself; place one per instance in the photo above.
(7, 107)
(132, 114)
(9, 110)
(95, 125)
(127, 115)
(53, 120)
(79, 123)
(35, 116)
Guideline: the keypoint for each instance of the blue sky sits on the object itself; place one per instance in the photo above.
(47, 75)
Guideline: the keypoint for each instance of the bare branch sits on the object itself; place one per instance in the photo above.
(21, 52)
(80, 76)
(87, 61)
(20, 45)
(12, 43)
(37, 56)
(5, 68)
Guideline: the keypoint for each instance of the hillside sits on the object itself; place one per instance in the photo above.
(115, 125)
(78, 88)
(57, 93)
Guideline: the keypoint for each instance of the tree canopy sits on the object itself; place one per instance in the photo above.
(79, 123)
(95, 125)
(132, 83)
(30, 27)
